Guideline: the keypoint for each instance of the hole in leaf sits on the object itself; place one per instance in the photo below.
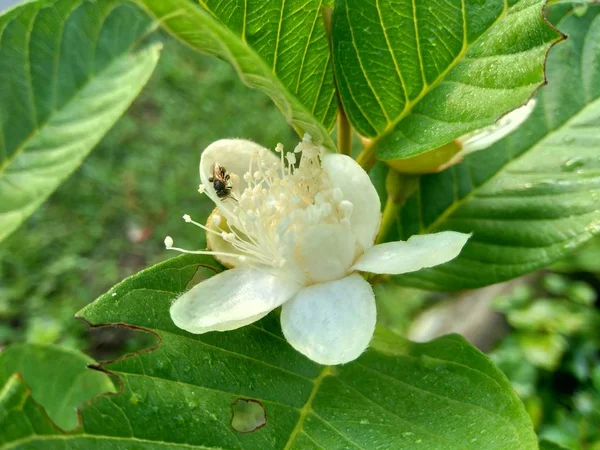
(248, 415)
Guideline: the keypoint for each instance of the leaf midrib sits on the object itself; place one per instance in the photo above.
(94, 76)
(290, 97)
(307, 408)
(427, 88)
(304, 412)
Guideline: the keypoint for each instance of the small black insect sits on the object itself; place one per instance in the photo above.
(220, 180)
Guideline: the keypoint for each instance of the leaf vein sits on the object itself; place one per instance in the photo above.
(362, 68)
(389, 411)
(492, 412)
(302, 63)
(387, 41)
(27, 68)
(197, 386)
(343, 436)
(277, 41)
(447, 213)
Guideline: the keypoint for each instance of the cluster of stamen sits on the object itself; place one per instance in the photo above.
(279, 202)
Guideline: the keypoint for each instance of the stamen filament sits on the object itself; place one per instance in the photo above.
(209, 252)
(277, 201)
(237, 243)
(204, 227)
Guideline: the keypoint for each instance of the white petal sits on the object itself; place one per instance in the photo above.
(235, 156)
(346, 174)
(331, 323)
(480, 139)
(231, 299)
(419, 252)
(325, 252)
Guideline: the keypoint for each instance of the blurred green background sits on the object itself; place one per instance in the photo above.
(109, 220)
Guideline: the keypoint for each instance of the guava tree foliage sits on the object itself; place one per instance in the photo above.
(532, 196)
(181, 394)
(68, 70)
(411, 77)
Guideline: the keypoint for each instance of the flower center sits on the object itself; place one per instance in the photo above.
(279, 203)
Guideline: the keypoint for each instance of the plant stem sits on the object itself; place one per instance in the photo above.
(344, 134)
(390, 213)
(344, 128)
(366, 159)
(399, 187)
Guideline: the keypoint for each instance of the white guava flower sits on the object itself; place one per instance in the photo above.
(485, 137)
(296, 230)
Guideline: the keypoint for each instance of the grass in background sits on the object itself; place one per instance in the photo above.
(109, 219)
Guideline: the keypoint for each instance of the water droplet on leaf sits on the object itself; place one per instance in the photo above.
(573, 164)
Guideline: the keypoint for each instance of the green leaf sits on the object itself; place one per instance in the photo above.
(543, 350)
(443, 394)
(20, 415)
(547, 445)
(279, 48)
(59, 378)
(416, 74)
(532, 197)
(585, 259)
(556, 315)
(68, 70)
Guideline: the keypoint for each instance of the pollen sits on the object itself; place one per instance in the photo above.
(274, 203)
(282, 199)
